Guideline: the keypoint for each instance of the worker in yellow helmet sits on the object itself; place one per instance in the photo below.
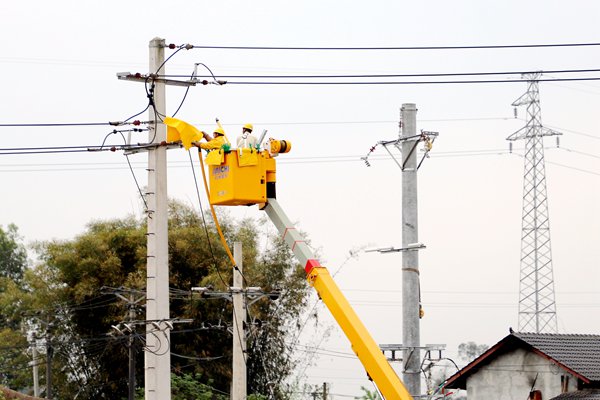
(216, 142)
(247, 139)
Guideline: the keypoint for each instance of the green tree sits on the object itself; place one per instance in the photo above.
(369, 395)
(13, 255)
(112, 254)
(469, 351)
(13, 344)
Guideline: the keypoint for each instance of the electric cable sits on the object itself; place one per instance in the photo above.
(188, 87)
(114, 132)
(463, 47)
(197, 358)
(129, 164)
(596, 137)
(172, 46)
(419, 75)
(150, 96)
(218, 230)
(579, 152)
(312, 312)
(273, 123)
(58, 124)
(62, 149)
(565, 166)
(187, 90)
(212, 209)
(203, 219)
(235, 267)
(382, 83)
(135, 115)
(137, 183)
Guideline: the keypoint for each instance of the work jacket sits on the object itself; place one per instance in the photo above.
(215, 143)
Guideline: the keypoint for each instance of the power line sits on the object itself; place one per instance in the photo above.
(383, 48)
(281, 123)
(421, 75)
(56, 124)
(579, 152)
(381, 83)
(290, 161)
(70, 124)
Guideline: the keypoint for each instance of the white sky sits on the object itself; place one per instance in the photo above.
(60, 61)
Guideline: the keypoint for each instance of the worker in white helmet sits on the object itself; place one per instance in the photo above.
(247, 140)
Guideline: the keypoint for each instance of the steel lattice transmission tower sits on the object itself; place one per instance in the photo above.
(537, 308)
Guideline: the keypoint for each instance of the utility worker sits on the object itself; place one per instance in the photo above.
(247, 139)
(216, 142)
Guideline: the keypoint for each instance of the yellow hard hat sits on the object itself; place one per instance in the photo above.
(220, 131)
(249, 127)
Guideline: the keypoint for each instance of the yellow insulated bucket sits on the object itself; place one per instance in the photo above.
(240, 180)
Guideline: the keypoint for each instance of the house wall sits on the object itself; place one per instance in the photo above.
(511, 377)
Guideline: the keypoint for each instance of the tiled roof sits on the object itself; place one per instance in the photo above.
(12, 395)
(592, 394)
(580, 353)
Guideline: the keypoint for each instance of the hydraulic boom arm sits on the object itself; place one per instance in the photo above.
(363, 344)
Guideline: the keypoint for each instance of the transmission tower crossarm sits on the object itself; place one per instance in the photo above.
(524, 99)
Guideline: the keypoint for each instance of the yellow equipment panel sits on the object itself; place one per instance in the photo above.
(235, 185)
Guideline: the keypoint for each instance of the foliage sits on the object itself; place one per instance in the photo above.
(13, 358)
(70, 298)
(13, 255)
(187, 387)
(13, 264)
(269, 353)
(369, 395)
(467, 352)
(470, 350)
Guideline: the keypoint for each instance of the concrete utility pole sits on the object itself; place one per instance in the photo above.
(157, 361)
(410, 259)
(49, 354)
(129, 326)
(325, 391)
(239, 389)
(131, 348)
(36, 379)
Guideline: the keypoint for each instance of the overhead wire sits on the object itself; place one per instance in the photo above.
(383, 83)
(215, 266)
(579, 152)
(57, 124)
(291, 123)
(204, 224)
(223, 241)
(419, 75)
(378, 48)
(290, 160)
(351, 255)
